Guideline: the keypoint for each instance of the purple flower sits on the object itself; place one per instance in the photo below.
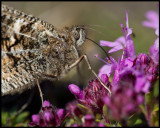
(147, 66)
(61, 113)
(89, 121)
(101, 125)
(153, 20)
(142, 68)
(154, 51)
(143, 59)
(117, 45)
(136, 79)
(93, 94)
(76, 125)
(142, 84)
(73, 109)
(104, 78)
(48, 117)
(125, 42)
(35, 119)
(46, 104)
(120, 66)
(108, 68)
(74, 89)
(117, 67)
(123, 101)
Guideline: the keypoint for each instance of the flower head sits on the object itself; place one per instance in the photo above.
(124, 42)
(154, 51)
(152, 20)
(145, 64)
(123, 101)
(48, 116)
(89, 121)
(92, 95)
(74, 89)
(73, 109)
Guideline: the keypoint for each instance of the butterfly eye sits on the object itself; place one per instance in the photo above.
(76, 35)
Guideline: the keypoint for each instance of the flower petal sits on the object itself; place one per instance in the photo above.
(107, 43)
(153, 20)
(130, 50)
(117, 48)
(46, 103)
(106, 69)
(129, 32)
(74, 89)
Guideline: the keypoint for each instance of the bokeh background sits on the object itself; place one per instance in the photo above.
(104, 20)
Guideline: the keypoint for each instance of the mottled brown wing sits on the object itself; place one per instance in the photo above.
(21, 46)
(31, 46)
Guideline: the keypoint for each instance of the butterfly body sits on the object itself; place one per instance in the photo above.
(32, 48)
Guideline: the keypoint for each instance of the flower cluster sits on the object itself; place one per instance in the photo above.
(48, 117)
(144, 67)
(133, 76)
(73, 109)
(89, 121)
(124, 100)
(92, 95)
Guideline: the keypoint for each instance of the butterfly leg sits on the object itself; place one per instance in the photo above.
(89, 67)
(39, 88)
(37, 81)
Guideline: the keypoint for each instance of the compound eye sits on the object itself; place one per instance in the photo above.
(76, 35)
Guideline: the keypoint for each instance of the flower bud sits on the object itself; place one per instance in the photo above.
(74, 89)
(46, 103)
(36, 119)
(48, 116)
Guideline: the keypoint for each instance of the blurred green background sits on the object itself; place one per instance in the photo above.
(104, 19)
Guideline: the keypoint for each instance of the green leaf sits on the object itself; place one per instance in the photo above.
(156, 89)
(138, 121)
(155, 115)
(119, 125)
(21, 117)
(82, 106)
(108, 125)
(142, 108)
(98, 117)
(132, 119)
(4, 116)
(156, 108)
(105, 110)
(149, 98)
(155, 118)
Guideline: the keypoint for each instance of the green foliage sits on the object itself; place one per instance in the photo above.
(156, 89)
(152, 106)
(138, 121)
(8, 119)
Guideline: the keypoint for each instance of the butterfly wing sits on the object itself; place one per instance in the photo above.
(23, 38)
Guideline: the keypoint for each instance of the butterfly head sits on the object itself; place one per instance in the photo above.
(78, 35)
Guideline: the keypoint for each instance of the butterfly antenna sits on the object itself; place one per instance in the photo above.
(98, 46)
